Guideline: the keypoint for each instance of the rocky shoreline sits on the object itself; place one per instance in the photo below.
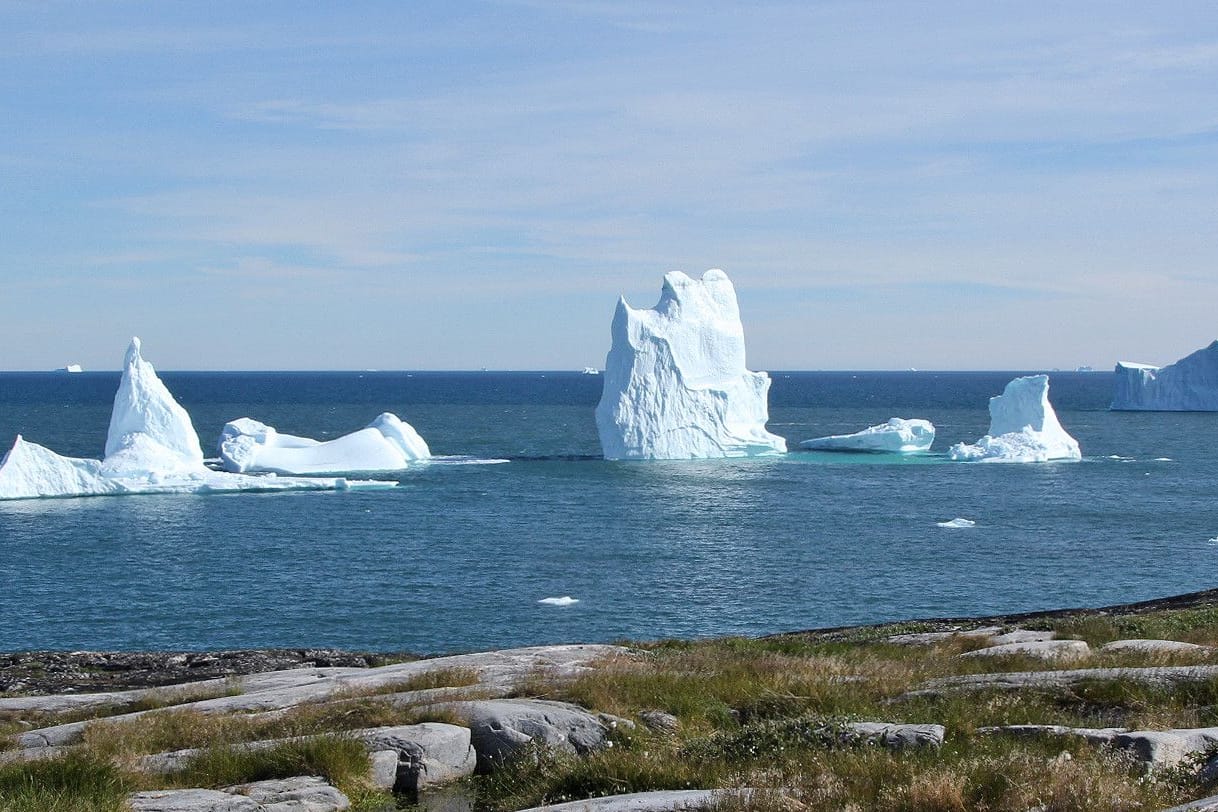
(50, 672)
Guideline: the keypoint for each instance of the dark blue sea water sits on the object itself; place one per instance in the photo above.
(457, 557)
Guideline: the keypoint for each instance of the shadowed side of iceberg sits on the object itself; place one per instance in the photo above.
(1188, 385)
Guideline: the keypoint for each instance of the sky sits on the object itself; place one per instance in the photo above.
(439, 185)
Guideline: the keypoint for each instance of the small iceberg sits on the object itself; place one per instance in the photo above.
(591, 371)
(388, 443)
(565, 600)
(897, 436)
(957, 523)
(71, 368)
(1023, 428)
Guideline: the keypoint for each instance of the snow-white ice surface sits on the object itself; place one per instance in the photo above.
(565, 600)
(675, 382)
(957, 523)
(898, 436)
(151, 448)
(1023, 428)
(386, 444)
(1188, 385)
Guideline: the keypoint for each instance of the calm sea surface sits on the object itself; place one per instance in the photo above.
(457, 556)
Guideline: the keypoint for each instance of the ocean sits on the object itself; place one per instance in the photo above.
(457, 556)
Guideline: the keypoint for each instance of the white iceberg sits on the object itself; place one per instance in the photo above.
(386, 444)
(71, 368)
(1188, 385)
(897, 436)
(565, 600)
(957, 523)
(675, 382)
(151, 447)
(1023, 428)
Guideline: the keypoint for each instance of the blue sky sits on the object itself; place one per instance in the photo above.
(295, 185)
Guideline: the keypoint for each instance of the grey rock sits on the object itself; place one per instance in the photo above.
(1209, 804)
(275, 690)
(384, 768)
(1043, 649)
(1022, 636)
(501, 728)
(191, 800)
(931, 638)
(427, 754)
(897, 736)
(659, 801)
(1154, 647)
(1093, 735)
(660, 722)
(303, 794)
(1157, 676)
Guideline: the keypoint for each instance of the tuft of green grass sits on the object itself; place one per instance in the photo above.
(68, 783)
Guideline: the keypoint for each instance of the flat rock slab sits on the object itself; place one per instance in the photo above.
(304, 794)
(933, 638)
(659, 801)
(424, 755)
(283, 689)
(1160, 676)
(1042, 649)
(1154, 647)
(1209, 804)
(501, 728)
(1022, 636)
(1154, 749)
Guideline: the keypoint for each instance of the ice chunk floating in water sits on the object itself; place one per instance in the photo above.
(1188, 385)
(1023, 428)
(565, 600)
(151, 447)
(957, 523)
(675, 382)
(898, 436)
(386, 444)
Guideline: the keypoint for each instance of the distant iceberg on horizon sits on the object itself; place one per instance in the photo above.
(1023, 428)
(151, 447)
(1188, 385)
(897, 436)
(675, 381)
(71, 368)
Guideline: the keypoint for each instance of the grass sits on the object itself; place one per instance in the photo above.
(765, 713)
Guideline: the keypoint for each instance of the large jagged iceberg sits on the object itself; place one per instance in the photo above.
(151, 447)
(1023, 428)
(675, 383)
(897, 436)
(1188, 385)
(386, 444)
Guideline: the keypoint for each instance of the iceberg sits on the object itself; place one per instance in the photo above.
(71, 368)
(675, 382)
(897, 436)
(386, 444)
(1023, 428)
(151, 447)
(1188, 385)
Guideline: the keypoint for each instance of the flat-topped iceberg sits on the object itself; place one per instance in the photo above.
(897, 436)
(386, 444)
(675, 382)
(1023, 428)
(151, 447)
(1188, 385)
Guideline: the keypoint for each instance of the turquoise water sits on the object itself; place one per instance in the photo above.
(457, 556)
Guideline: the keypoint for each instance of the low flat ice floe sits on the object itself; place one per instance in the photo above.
(565, 600)
(957, 523)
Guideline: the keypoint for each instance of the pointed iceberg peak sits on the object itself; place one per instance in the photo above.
(1023, 428)
(675, 382)
(145, 412)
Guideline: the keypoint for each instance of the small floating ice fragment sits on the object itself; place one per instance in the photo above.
(565, 600)
(1163, 459)
(957, 522)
